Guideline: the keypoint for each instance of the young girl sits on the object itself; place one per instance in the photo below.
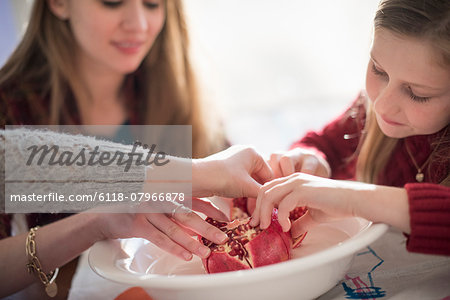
(398, 141)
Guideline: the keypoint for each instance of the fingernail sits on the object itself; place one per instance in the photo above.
(221, 237)
(187, 256)
(204, 252)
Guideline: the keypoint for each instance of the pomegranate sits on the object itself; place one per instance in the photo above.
(249, 247)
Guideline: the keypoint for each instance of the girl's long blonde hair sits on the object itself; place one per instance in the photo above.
(428, 20)
(164, 83)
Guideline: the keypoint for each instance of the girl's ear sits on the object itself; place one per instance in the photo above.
(60, 8)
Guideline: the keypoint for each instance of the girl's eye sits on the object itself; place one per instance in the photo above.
(414, 97)
(112, 4)
(378, 72)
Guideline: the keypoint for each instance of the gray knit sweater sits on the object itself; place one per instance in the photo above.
(78, 165)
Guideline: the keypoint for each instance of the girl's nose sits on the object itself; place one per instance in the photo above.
(134, 17)
(388, 101)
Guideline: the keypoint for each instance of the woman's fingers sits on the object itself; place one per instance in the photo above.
(160, 239)
(209, 209)
(251, 204)
(262, 171)
(249, 180)
(193, 221)
(173, 231)
(249, 187)
(254, 221)
(178, 235)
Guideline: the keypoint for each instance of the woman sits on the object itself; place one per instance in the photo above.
(106, 62)
(235, 172)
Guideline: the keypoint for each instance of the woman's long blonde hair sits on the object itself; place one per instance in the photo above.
(43, 61)
(428, 20)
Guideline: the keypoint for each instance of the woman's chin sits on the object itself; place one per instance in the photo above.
(129, 69)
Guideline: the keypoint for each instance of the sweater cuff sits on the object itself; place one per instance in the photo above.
(429, 209)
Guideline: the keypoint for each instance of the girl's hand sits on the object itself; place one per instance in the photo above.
(327, 199)
(323, 197)
(169, 231)
(299, 160)
(237, 171)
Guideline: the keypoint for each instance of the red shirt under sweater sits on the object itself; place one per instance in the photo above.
(429, 202)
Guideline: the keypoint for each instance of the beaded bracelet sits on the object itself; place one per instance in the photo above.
(34, 265)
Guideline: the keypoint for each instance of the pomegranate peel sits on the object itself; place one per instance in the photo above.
(248, 247)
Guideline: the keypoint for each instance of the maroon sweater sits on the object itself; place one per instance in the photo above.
(15, 109)
(429, 202)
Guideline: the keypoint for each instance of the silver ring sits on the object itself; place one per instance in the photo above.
(172, 213)
(177, 207)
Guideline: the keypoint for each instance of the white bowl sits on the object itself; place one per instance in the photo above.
(318, 264)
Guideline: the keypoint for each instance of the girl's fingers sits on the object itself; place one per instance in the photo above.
(262, 198)
(320, 216)
(266, 209)
(309, 164)
(275, 165)
(302, 224)
(178, 235)
(287, 165)
(161, 240)
(289, 203)
(270, 199)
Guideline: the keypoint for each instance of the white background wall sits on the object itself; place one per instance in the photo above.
(274, 68)
(280, 68)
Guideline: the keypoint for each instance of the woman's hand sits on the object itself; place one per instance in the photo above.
(327, 199)
(172, 231)
(299, 160)
(237, 171)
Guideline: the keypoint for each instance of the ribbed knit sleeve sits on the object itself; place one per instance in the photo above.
(429, 207)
